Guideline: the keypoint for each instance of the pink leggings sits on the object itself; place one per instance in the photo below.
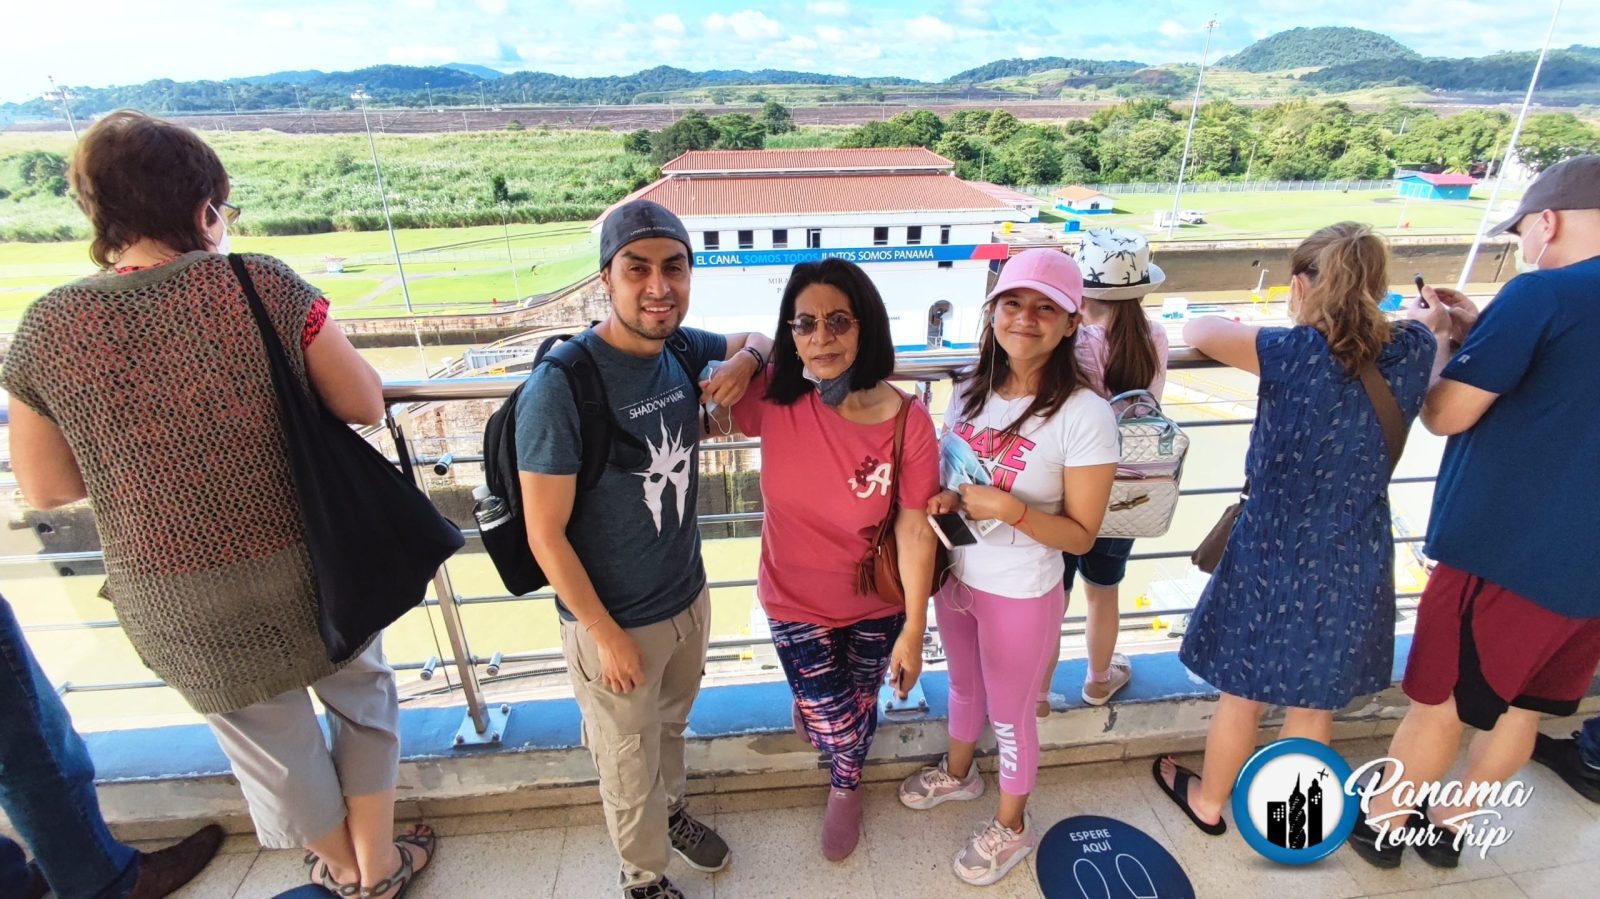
(998, 648)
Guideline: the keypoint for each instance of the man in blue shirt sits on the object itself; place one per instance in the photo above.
(1509, 626)
(624, 557)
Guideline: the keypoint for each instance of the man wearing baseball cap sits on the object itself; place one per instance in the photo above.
(1509, 626)
(624, 557)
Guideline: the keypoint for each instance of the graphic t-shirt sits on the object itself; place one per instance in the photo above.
(1515, 489)
(636, 531)
(825, 486)
(1029, 466)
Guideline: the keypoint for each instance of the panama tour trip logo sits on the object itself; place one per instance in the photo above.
(1290, 801)
(1297, 800)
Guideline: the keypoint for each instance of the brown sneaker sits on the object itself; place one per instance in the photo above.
(1095, 693)
(163, 872)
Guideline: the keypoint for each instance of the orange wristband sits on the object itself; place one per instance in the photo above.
(1022, 516)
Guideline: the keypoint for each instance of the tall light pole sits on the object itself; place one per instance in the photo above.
(1194, 111)
(65, 96)
(430, 93)
(361, 96)
(231, 101)
(483, 102)
(1511, 148)
(516, 283)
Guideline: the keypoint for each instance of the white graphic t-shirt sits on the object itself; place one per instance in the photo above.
(1082, 432)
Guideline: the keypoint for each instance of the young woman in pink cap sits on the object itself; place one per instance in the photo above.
(1050, 444)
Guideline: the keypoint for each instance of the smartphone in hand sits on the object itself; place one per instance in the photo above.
(1420, 298)
(951, 529)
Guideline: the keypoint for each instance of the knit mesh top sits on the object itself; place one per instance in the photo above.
(159, 381)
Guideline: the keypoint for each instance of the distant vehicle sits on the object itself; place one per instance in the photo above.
(1191, 217)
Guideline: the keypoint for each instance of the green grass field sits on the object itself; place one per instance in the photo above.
(1273, 214)
(305, 184)
(448, 270)
(455, 270)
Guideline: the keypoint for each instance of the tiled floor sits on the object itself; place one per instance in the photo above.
(1552, 853)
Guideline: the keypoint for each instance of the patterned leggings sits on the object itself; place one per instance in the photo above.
(835, 673)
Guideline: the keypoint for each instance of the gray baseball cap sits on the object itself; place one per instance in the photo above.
(640, 220)
(1573, 184)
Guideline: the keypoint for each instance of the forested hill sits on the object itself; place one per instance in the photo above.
(1300, 48)
(1013, 68)
(416, 86)
(1568, 68)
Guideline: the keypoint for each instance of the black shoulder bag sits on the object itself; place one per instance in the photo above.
(375, 540)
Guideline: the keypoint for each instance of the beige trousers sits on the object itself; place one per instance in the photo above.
(637, 738)
(294, 782)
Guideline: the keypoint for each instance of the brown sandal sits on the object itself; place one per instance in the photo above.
(400, 880)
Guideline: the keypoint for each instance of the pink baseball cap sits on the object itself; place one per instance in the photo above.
(1051, 272)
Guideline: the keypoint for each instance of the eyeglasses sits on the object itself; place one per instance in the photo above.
(837, 323)
(230, 213)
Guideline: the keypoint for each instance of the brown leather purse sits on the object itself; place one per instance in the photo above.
(1208, 555)
(879, 570)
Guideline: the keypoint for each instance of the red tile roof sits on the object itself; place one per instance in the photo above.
(802, 194)
(1445, 180)
(1078, 192)
(713, 161)
(1007, 195)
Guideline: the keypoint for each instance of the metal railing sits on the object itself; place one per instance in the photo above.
(484, 723)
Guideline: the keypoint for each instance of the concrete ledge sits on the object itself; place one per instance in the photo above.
(742, 752)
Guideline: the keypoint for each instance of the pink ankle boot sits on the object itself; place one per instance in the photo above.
(841, 823)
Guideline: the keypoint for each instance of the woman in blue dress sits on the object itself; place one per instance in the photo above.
(1300, 611)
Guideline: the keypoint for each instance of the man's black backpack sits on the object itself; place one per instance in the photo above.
(603, 442)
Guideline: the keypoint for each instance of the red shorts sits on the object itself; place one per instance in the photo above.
(1492, 649)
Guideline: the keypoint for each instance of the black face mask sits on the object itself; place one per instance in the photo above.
(832, 390)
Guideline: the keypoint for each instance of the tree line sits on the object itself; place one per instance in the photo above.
(1143, 140)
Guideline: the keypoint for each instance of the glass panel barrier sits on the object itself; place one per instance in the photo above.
(514, 642)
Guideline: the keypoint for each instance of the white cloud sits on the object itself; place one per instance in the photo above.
(279, 19)
(832, 35)
(1031, 51)
(417, 5)
(747, 24)
(668, 24)
(492, 7)
(832, 8)
(799, 44)
(975, 11)
(929, 30)
(1173, 29)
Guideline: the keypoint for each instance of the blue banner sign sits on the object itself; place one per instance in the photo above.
(858, 255)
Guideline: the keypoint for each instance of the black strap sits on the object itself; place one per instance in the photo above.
(278, 357)
(1389, 416)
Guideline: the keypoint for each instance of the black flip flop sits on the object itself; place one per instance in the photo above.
(1179, 794)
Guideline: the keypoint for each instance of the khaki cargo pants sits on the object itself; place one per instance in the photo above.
(637, 738)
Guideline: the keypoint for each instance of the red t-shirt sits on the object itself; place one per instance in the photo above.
(825, 486)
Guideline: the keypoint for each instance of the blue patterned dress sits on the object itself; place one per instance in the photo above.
(1300, 611)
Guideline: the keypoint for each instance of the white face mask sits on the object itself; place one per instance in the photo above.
(1524, 266)
(223, 244)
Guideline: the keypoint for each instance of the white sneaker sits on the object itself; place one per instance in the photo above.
(995, 849)
(931, 786)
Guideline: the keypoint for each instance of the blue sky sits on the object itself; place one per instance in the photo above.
(90, 43)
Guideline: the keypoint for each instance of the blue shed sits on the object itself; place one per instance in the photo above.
(1424, 186)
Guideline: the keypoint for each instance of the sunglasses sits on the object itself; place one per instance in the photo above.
(837, 323)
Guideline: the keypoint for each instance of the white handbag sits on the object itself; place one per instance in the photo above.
(1144, 495)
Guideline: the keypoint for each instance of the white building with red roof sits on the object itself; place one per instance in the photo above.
(925, 237)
